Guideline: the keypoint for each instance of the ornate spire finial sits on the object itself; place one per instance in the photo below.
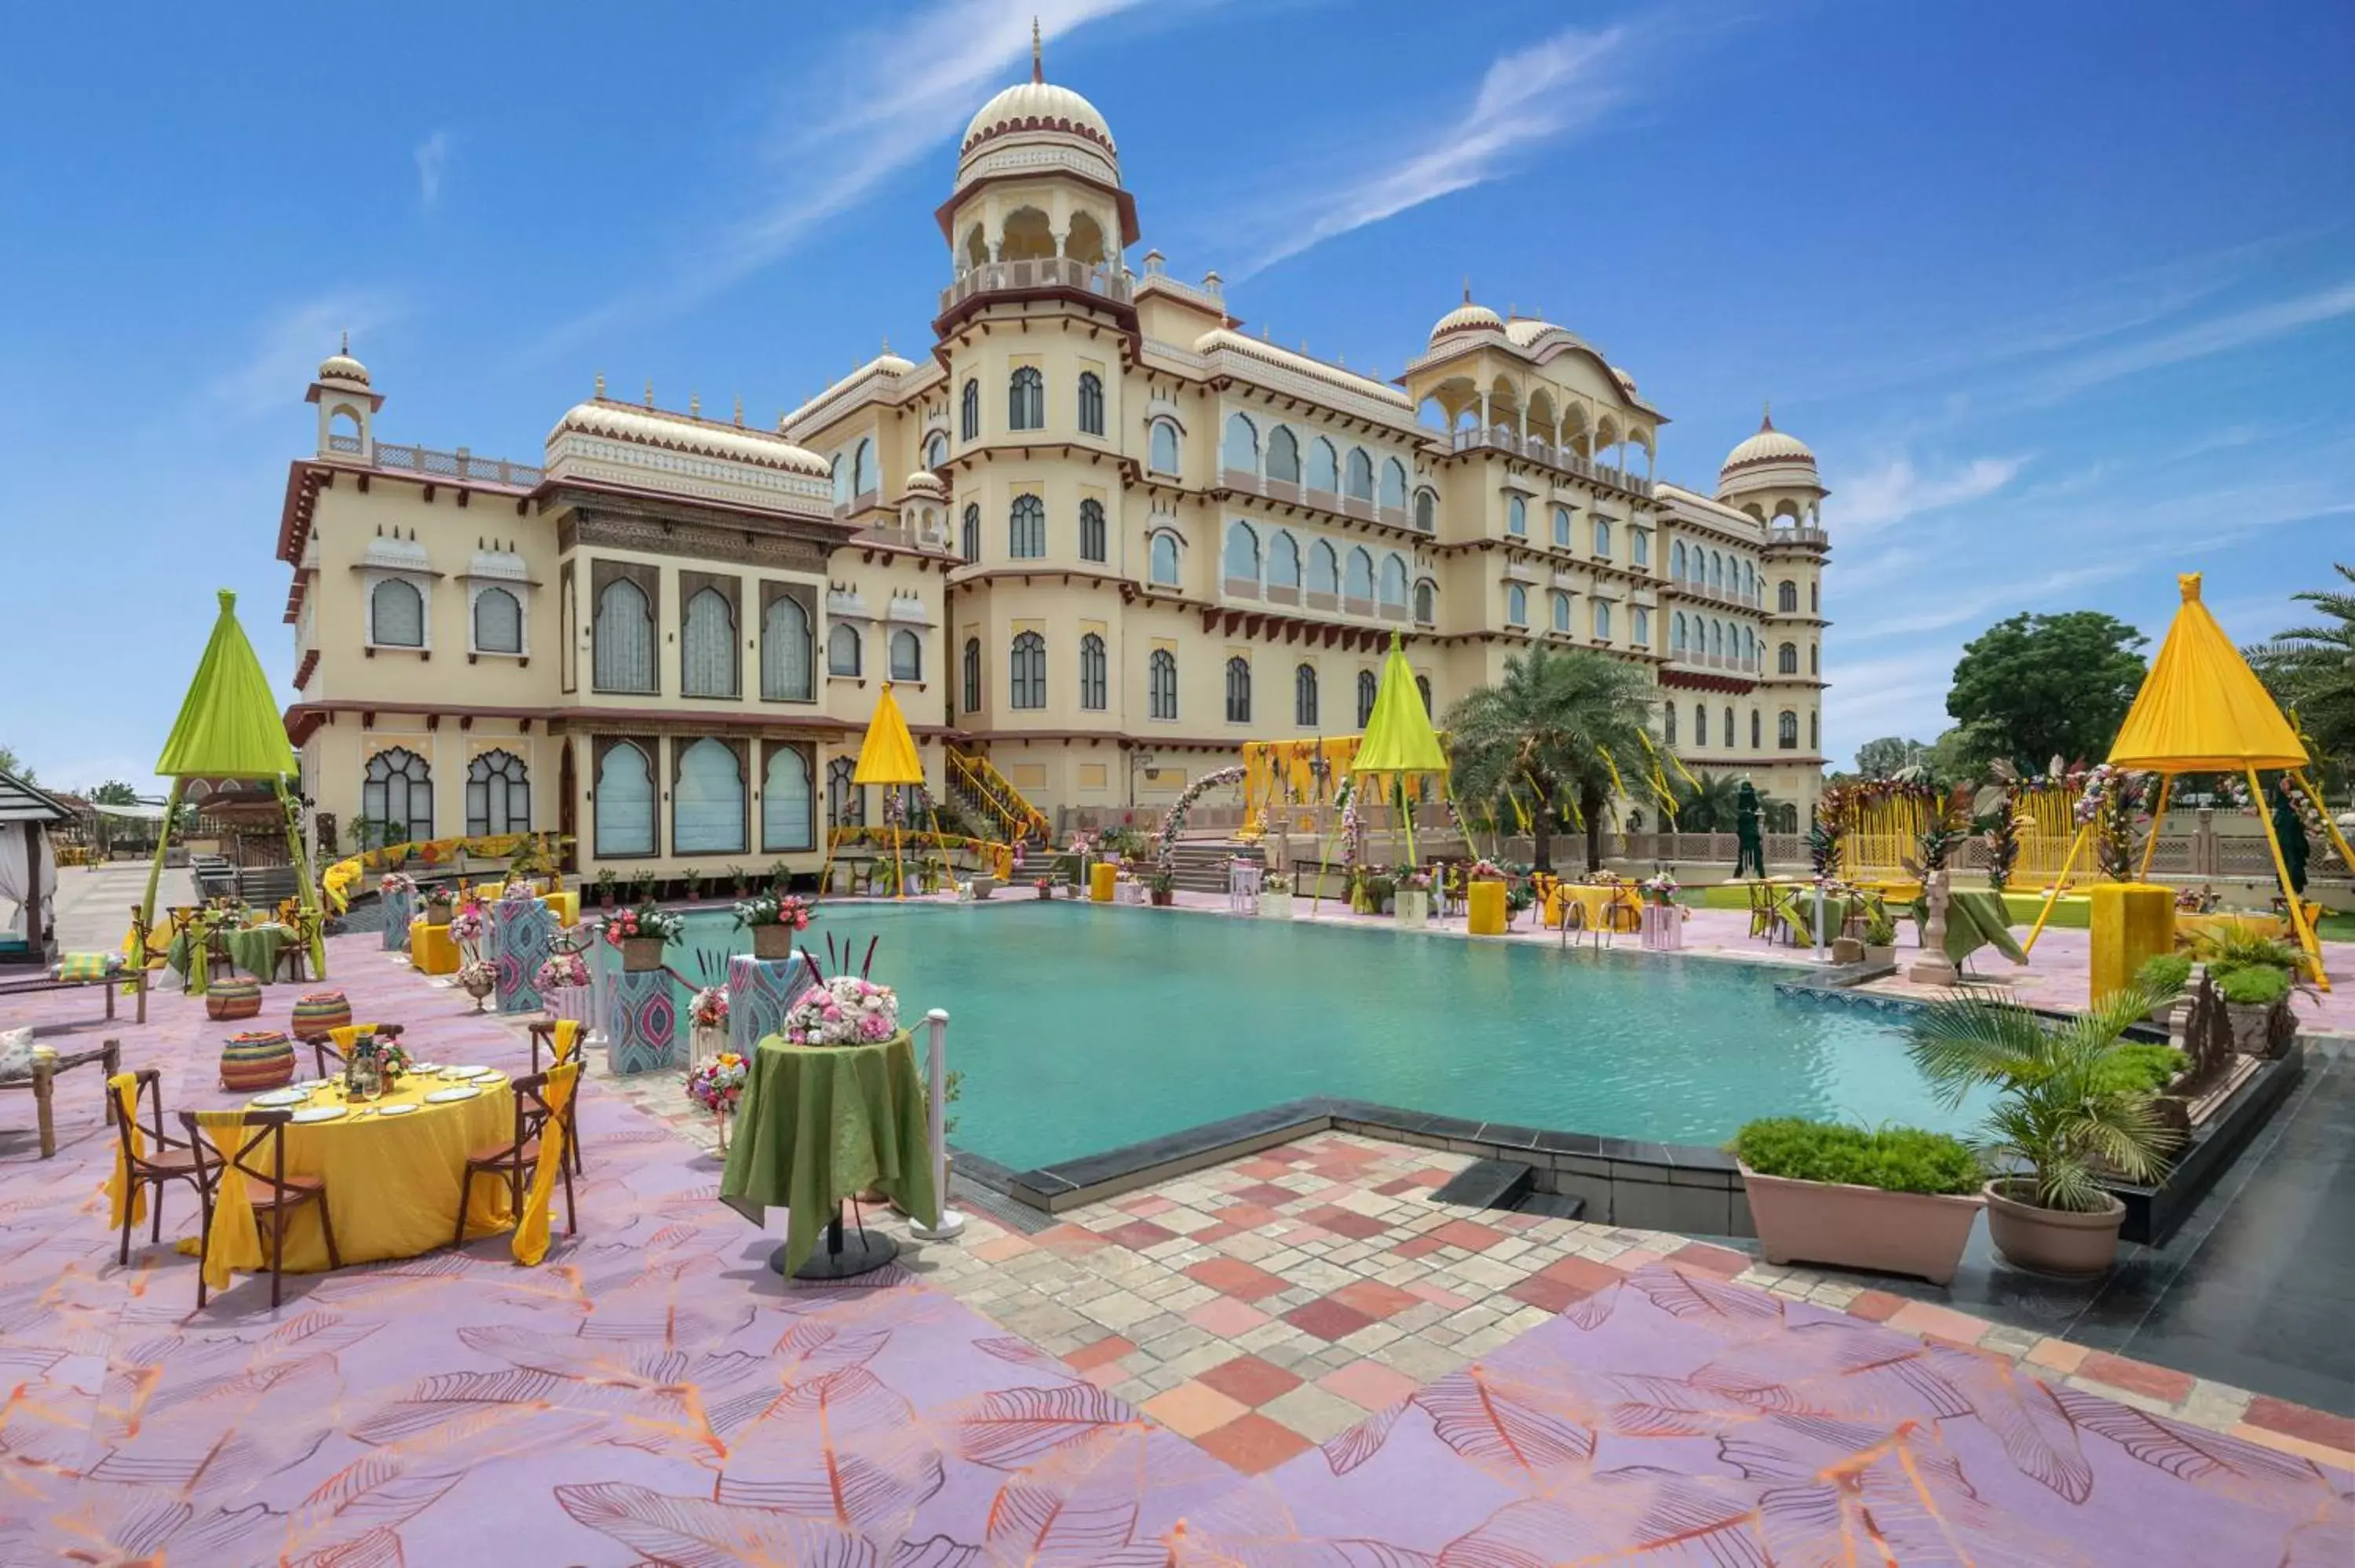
(695, 404)
(601, 384)
(1468, 288)
(347, 342)
(1038, 62)
(740, 411)
(650, 391)
(887, 343)
(1767, 422)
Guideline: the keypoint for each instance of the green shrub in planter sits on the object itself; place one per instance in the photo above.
(2139, 1066)
(2168, 973)
(2253, 985)
(1892, 1158)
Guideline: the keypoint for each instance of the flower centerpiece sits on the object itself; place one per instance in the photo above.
(707, 1017)
(467, 927)
(641, 933)
(384, 1055)
(843, 1010)
(773, 918)
(1486, 870)
(477, 978)
(563, 981)
(1276, 895)
(716, 1085)
(1659, 888)
(396, 882)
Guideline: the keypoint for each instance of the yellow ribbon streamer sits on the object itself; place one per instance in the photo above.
(530, 1243)
(235, 1240)
(565, 1039)
(123, 1089)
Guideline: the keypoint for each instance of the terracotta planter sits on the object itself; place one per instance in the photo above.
(2052, 1241)
(772, 942)
(1921, 1234)
(1163, 900)
(640, 954)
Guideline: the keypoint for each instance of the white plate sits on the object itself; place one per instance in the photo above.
(465, 1072)
(322, 1113)
(447, 1096)
(395, 1110)
(277, 1097)
(425, 1067)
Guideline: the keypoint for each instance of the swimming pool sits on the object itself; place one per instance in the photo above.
(1082, 1029)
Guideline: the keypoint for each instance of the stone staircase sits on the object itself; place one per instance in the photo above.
(1202, 863)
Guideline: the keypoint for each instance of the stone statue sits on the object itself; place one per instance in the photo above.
(1933, 967)
(1750, 854)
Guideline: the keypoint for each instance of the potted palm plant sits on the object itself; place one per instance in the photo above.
(1879, 934)
(1163, 888)
(2064, 1115)
(1898, 1200)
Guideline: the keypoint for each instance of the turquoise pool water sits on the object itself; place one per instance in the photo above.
(1081, 1029)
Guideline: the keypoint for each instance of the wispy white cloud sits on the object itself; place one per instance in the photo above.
(1897, 491)
(432, 157)
(2198, 340)
(285, 350)
(1527, 99)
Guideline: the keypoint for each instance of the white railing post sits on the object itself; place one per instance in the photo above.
(937, 1075)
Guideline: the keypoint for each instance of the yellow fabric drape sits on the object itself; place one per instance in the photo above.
(344, 1035)
(236, 1240)
(530, 1243)
(124, 1090)
(2202, 708)
(565, 1039)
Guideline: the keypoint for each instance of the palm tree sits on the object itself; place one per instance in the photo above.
(1553, 730)
(1711, 804)
(2312, 669)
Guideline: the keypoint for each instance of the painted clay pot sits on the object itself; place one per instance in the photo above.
(252, 1062)
(230, 999)
(318, 1013)
(772, 942)
(2053, 1241)
(640, 954)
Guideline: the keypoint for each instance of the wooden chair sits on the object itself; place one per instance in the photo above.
(544, 1033)
(515, 1162)
(334, 1049)
(166, 1159)
(272, 1192)
(1761, 910)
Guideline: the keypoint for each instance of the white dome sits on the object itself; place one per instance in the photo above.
(1039, 111)
(1768, 446)
(924, 481)
(1465, 317)
(653, 428)
(343, 367)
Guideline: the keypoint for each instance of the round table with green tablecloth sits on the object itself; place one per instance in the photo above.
(817, 1123)
(255, 951)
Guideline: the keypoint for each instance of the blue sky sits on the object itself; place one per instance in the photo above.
(2063, 296)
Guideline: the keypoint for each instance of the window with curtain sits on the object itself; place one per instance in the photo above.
(1360, 579)
(969, 412)
(1283, 455)
(1242, 552)
(1426, 512)
(1162, 456)
(1324, 568)
(1324, 465)
(1027, 528)
(1560, 611)
(846, 798)
(396, 614)
(1091, 403)
(398, 792)
(1517, 606)
(1786, 659)
(907, 656)
(972, 674)
(785, 653)
(1367, 687)
(1786, 730)
(1240, 449)
(1304, 696)
(1394, 484)
(623, 639)
(1425, 603)
(625, 802)
(498, 794)
(1361, 476)
(1161, 680)
(1284, 560)
(1393, 583)
(1165, 559)
(706, 646)
(936, 451)
(842, 650)
(972, 540)
(1239, 691)
(1516, 514)
(706, 804)
(1026, 400)
(787, 820)
(499, 622)
(1095, 682)
(1091, 531)
(1026, 685)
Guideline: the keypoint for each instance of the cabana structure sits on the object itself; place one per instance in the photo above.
(28, 872)
(888, 757)
(1399, 745)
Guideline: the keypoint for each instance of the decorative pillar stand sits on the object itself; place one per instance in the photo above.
(936, 1072)
(399, 907)
(642, 1022)
(518, 943)
(1933, 967)
(1485, 904)
(759, 992)
(2133, 923)
(1663, 928)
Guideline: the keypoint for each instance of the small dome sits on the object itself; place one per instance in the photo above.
(1465, 317)
(1036, 110)
(925, 483)
(341, 366)
(1768, 446)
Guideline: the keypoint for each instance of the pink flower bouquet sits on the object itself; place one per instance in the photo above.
(845, 1011)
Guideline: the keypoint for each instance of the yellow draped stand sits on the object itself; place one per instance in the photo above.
(887, 757)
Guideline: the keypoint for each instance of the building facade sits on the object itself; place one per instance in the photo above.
(1100, 536)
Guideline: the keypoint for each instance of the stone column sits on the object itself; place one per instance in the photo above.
(1933, 967)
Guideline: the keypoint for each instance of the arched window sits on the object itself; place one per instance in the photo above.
(1026, 537)
(706, 646)
(936, 455)
(1095, 684)
(1786, 659)
(1394, 484)
(785, 651)
(1700, 724)
(1786, 597)
(1424, 604)
(845, 798)
(1283, 455)
(1393, 583)
(842, 650)
(1561, 527)
(1324, 568)
(1367, 688)
(1786, 730)
(862, 467)
(1728, 717)
(786, 818)
(1091, 530)
(1717, 637)
(1242, 553)
(907, 656)
(1517, 605)
(1323, 466)
(499, 622)
(397, 614)
(1423, 690)
(1239, 450)
(706, 803)
(840, 477)
(969, 412)
(1360, 474)
(1165, 559)
(1668, 723)
(1284, 560)
(397, 794)
(1516, 514)
(1560, 611)
(1026, 400)
(1601, 618)
(1814, 664)
(1238, 690)
(1304, 696)
(1091, 403)
(1815, 731)
(972, 675)
(1716, 570)
(1426, 512)
(1163, 458)
(1360, 580)
(971, 541)
(1755, 743)
(1639, 631)
(1026, 685)
(1815, 598)
(1161, 677)
(625, 802)
(622, 640)
(1603, 538)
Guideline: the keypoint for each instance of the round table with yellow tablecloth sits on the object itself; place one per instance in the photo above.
(392, 1181)
(1615, 901)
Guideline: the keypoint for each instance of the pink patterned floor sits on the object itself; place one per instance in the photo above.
(652, 1394)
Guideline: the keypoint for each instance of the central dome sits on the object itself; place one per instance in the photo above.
(1034, 122)
(1043, 106)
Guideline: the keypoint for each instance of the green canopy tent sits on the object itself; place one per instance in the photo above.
(229, 728)
(1399, 743)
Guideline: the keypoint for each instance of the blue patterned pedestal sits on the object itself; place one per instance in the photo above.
(759, 992)
(642, 1030)
(516, 945)
(399, 909)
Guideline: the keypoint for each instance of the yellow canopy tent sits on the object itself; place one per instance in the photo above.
(229, 728)
(888, 757)
(1399, 743)
(2202, 710)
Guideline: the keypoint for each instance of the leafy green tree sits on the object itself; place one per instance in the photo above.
(2311, 669)
(11, 763)
(115, 792)
(2039, 687)
(1882, 759)
(1549, 733)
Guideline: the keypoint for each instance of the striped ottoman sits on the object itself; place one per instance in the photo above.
(319, 1012)
(261, 1059)
(228, 999)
